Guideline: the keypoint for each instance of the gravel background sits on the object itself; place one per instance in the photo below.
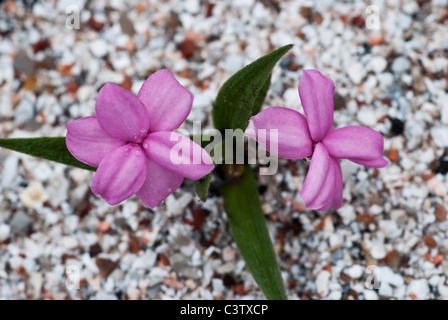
(394, 80)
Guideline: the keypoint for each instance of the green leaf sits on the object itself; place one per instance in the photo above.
(249, 230)
(201, 186)
(258, 103)
(235, 101)
(50, 148)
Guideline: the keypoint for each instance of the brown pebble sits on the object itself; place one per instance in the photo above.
(72, 87)
(429, 241)
(127, 83)
(103, 226)
(209, 9)
(345, 277)
(127, 26)
(437, 259)
(358, 21)
(428, 176)
(376, 39)
(307, 13)
(65, 69)
(30, 83)
(392, 259)
(239, 289)
(173, 283)
(41, 45)
(106, 266)
(133, 245)
(95, 249)
(393, 155)
(95, 25)
(187, 47)
(318, 18)
(440, 213)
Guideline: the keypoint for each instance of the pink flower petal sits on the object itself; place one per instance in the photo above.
(179, 154)
(88, 142)
(159, 184)
(319, 186)
(121, 174)
(121, 114)
(316, 93)
(358, 144)
(167, 101)
(293, 137)
(377, 163)
(339, 185)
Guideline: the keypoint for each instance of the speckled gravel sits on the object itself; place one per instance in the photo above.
(388, 241)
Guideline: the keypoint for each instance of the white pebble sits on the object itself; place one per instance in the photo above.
(378, 251)
(400, 65)
(378, 64)
(347, 213)
(419, 288)
(356, 72)
(4, 232)
(322, 282)
(355, 271)
(366, 117)
(99, 48)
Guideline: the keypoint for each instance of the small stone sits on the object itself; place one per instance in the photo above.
(41, 45)
(23, 64)
(34, 195)
(322, 283)
(347, 213)
(9, 172)
(355, 271)
(99, 48)
(228, 254)
(126, 24)
(106, 266)
(393, 155)
(21, 223)
(392, 259)
(440, 213)
(378, 251)
(94, 24)
(378, 64)
(367, 117)
(356, 72)
(133, 293)
(24, 111)
(173, 283)
(418, 289)
(187, 47)
(429, 241)
(401, 65)
(4, 232)
(370, 294)
(376, 39)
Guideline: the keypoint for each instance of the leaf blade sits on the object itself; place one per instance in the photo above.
(250, 233)
(235, 100)
(49, 148)
(258, 103)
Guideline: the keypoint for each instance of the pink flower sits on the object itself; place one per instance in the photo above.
(300, 137)
(130, 141)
